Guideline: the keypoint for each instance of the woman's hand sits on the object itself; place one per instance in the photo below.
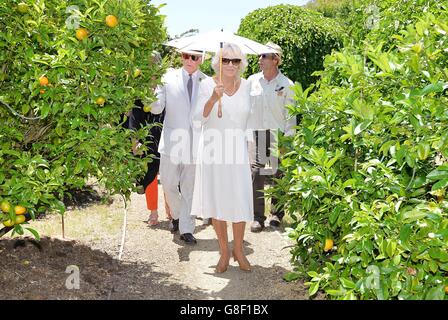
(218, 92)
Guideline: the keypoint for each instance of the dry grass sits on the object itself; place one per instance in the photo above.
(91, 223)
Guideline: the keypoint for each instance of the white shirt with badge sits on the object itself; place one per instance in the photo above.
(268, 103)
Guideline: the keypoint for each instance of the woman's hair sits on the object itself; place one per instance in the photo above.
(233, 51)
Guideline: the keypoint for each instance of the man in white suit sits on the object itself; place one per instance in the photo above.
(177, 95)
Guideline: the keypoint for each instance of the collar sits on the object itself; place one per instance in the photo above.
(274, 80)
(194, 75)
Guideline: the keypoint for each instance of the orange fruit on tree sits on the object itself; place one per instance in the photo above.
(82, 34)
(41, 91)
(20, 219)
(111, 21)
(43, 81)
(8, 223)
(19, 210)
(446, 289)
(328, 245)
(22, 7)
(5, 206)
(100, 101)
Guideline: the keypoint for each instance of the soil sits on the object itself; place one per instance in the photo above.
(155, 264)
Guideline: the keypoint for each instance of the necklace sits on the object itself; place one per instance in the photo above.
(232, 92)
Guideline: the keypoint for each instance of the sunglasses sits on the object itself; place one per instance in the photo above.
(235, 62)
(187, 56)
(266, 55)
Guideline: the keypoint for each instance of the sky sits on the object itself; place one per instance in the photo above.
(207, 15)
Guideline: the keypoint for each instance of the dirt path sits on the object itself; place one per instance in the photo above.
(155, 264)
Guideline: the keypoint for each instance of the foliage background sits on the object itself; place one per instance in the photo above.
(54, 138)
(305, 37)
(368, 165)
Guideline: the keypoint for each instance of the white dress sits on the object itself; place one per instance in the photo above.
(223, 182)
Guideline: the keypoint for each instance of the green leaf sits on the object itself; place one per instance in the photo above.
(333, 292)
(414, 215)
(334, 215)
(291, 276)
(443, 256)
(432, 88)
(382, 61)
(405, 233)
(433, 266)
(434, 253)
(346, 283)
(308, 135)
(440, 185)
(435, 293)
(423, 151)
(390, 249)
(80, 166)
(59, 206)
(314, 287)
(19, 229)
(349, 183)
(313, 274)
(361, 127)
(437, 175)
(35, 233)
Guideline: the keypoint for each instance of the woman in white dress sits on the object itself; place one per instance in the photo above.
(223, 182)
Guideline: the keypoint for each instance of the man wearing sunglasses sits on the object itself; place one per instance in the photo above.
(270, 94)
(177, 96)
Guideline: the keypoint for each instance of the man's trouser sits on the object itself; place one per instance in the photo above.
(264, 142)
(173, 175)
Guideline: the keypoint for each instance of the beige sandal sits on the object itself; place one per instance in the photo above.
(153, 219)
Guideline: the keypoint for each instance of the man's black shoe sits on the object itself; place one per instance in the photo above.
(174, 225)
(188, 238)
(275, 222)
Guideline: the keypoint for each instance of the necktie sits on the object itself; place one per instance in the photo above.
(190, 87)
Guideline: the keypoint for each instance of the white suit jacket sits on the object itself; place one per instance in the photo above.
(179, 138)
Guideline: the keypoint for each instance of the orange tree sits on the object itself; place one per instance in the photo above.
(69, 72)
(305, 37)
(366, 174)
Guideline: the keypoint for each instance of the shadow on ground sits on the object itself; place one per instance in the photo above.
(82, 198)
(259, 276)
(37, 271)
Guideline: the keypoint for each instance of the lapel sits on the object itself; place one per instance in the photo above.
(180, 83)
(201, 76)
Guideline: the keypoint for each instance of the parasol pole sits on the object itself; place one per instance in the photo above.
(220, 80)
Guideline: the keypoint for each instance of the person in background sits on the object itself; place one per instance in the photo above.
(270, 94)
(138, 118)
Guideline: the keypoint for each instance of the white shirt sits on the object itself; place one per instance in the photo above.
(268, 103)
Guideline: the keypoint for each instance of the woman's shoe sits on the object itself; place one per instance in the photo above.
(242, 262)
(222, 267)
(153, 219)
